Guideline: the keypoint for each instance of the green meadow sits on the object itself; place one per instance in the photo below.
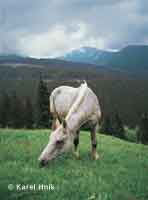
(120, 174)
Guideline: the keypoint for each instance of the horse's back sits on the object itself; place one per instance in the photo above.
(63, 97)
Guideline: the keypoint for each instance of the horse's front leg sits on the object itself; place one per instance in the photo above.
(55, 123)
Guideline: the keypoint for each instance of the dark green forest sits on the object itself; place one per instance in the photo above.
(120, 93)
(127, 97)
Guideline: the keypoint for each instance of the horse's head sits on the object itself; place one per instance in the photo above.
(60, 141)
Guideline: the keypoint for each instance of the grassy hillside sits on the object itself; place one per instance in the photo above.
(121, 173)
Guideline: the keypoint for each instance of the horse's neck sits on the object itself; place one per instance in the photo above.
(75, 120)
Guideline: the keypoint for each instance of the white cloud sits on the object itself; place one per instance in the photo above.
(57, 41)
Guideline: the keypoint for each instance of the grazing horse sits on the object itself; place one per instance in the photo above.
(71, 108)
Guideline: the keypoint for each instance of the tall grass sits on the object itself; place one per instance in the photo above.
(121, 172)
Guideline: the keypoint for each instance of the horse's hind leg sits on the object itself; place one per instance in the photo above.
(76, 144)
(94, 153)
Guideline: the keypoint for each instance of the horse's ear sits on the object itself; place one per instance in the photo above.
(64, 124)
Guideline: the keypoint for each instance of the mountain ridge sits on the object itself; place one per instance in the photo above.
(132, 57)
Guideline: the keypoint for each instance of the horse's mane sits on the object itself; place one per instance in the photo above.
(79, 99)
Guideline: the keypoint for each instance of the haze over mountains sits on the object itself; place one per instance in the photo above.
(133, 57)
(131, 60)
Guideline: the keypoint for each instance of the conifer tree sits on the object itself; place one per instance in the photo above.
(28, 113)
(118, 127)
(143, 129)
(42, 105)
(16, 111)
(5, 111)
(106, 126)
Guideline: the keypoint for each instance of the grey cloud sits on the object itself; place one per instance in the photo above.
(116, 22)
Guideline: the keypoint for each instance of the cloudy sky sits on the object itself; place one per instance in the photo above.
(48, 28)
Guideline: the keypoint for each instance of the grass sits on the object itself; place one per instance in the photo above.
(121, 173)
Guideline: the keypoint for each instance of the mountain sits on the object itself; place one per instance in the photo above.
(86, 62)
(84, 55)
(19, 68)
(132, 58)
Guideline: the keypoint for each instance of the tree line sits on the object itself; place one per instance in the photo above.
(113, 125)
(17, 112)
(128, 97)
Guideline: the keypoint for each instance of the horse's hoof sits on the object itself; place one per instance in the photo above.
(77, 155)
(96, 157)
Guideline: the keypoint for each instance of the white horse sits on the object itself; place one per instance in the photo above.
(71, 108)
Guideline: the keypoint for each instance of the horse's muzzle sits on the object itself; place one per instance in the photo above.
(43, 163)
